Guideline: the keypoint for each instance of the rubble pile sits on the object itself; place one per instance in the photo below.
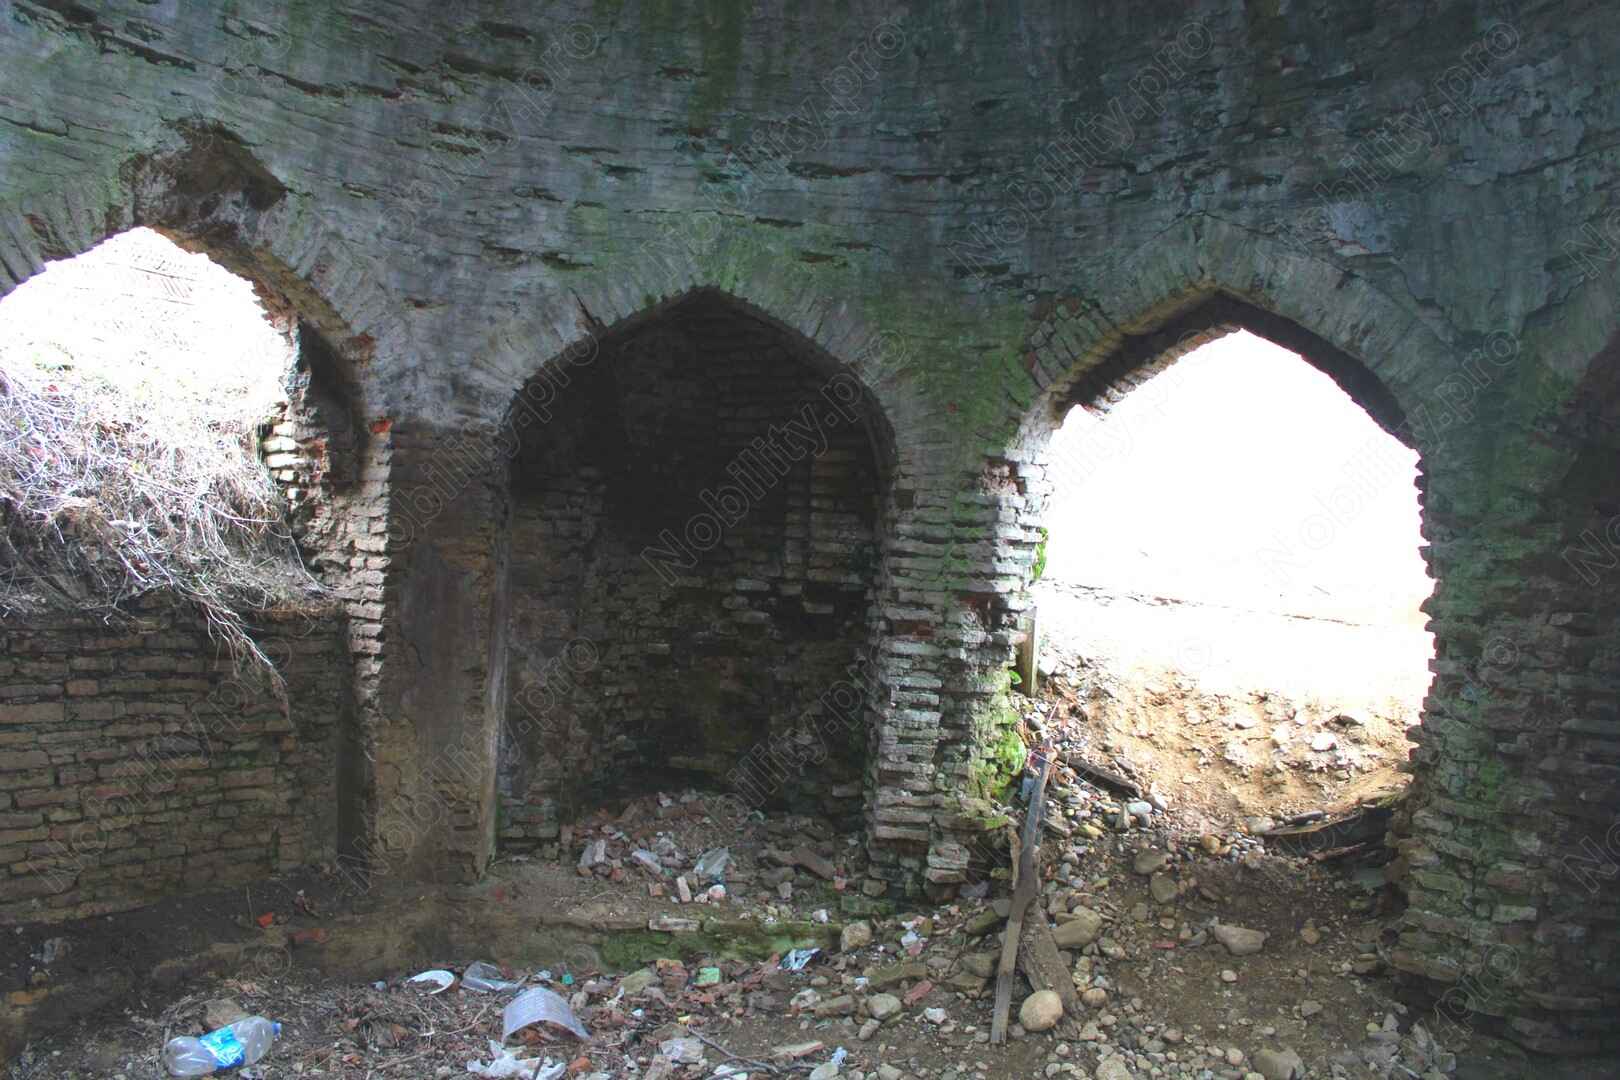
(696, 848)
(1186, 954)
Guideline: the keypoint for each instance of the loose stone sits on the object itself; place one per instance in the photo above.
(1040, 1011)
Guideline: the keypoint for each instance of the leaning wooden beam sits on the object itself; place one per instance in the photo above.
(1029, 884)
(1022, 895)
(1013, 848)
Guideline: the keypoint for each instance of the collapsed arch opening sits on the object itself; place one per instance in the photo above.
(152, 440)
(137, 377)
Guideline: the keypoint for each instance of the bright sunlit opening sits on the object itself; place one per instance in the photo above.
(153, 324)
(1243, 477)
(134, 380)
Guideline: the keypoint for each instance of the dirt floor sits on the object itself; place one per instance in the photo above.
(1143, 875)
(1169, 1006)
(1235, 714)
(1172, 1003)
(1166, 1004)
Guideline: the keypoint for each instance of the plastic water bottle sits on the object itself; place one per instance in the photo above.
(241, 1043)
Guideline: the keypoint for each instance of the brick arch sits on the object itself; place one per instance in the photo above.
(755, 285)
(1206, 279)
(1193, 284)
(494, 392)
(1197, 283)
(896, 687)
(685, 383)
(1506, 845)
(1206, 275)
(1140, 356)
(832, 339)
(876, 352)
(204, 190)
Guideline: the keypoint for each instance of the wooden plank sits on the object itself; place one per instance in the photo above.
(1029, 883)
(1043, 964)
(1102, 775)
(1009, 962)
(1029, 655)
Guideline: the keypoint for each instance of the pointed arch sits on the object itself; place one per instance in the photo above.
(876, 350)
(1205, 277)
(756, 285)
(203, 189)
(651, 500)
(1485, 410)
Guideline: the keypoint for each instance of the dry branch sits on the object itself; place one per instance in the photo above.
(107, 496)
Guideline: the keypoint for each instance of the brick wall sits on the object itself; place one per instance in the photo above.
(648, 647)
(1510, 842)
(133, 765)
(314, 445)
(332, 465)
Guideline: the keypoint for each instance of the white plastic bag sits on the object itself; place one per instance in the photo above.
(506, 1063)
(713, 864)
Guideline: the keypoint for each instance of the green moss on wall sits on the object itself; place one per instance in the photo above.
(1000, 753)
(1003, 761)
(720, 31)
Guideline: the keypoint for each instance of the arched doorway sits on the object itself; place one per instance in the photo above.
(1500, 868)
(1232, 584)
(165, 460)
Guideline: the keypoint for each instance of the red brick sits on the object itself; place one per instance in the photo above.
(23, 759)
(48, 797)
(43, 712)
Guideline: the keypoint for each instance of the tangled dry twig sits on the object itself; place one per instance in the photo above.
(106, 496)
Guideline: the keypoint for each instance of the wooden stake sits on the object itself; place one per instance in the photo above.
(1028, 875)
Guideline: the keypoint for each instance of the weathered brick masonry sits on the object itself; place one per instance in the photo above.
(977, 228)
(134, 765)
(693, 559)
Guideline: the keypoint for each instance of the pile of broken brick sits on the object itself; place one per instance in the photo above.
(686, 853)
